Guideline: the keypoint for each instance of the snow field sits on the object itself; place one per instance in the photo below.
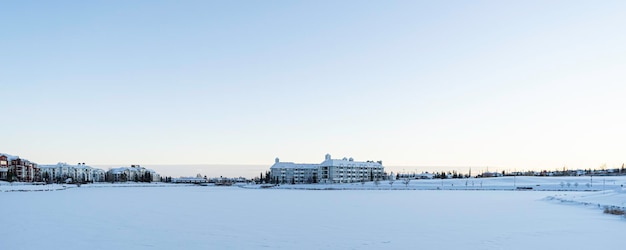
(237, 218)
(585, 183)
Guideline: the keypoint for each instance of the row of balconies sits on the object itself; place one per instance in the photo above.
(354, 176)
(357, 172)
(361, 167)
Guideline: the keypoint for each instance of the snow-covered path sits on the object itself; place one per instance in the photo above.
(236, 218)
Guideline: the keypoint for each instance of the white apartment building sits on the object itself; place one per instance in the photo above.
(77, 173)
(343, 170)
(132, 173)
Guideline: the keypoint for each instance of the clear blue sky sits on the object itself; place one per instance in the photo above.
(509, 84)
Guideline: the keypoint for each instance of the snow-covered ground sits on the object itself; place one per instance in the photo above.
(28, 187)
(580, 183)
(195, 217)
(611, 198)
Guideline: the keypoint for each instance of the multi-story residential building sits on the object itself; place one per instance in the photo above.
(344, 170)
(62, 172)
(14, 168)
(23, 170)
(4, 166)
(132, 173)
(289, 172)
(348, 170)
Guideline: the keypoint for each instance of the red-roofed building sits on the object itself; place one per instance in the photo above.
(23, 170)
(4, 167)
(13, 168)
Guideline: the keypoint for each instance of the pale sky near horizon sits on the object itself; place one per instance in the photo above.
(509, 84)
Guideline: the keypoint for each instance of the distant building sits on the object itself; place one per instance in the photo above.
(492, 174)
(424, 175)
(193, 180)
(344, 170)
(289, 172)
(24, 170)
(13, 168)
(77, 173)
(132, 173)
(4, 166)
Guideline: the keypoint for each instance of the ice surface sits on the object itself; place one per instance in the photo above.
(194, 217)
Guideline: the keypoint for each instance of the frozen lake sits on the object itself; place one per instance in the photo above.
(236, 218)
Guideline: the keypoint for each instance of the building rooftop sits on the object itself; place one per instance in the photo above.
(348, 162)
(328, 161)
(133, 169)
(294, 165)
(10, 157)
(63, 164)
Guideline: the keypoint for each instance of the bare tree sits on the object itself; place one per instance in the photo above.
(406, 181)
